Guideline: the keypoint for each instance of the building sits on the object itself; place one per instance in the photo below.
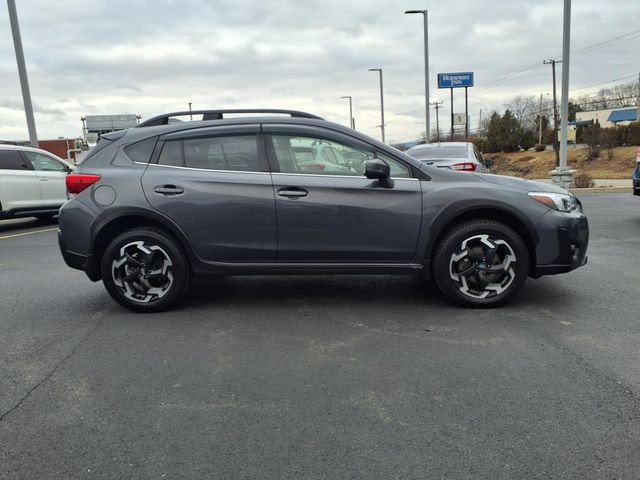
(93, 126)
(608, 117)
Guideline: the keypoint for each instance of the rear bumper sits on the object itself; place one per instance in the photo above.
(77, 260)
(571, 242)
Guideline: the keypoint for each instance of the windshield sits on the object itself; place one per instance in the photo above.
(438, 152)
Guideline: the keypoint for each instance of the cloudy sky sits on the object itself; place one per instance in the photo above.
(153, 56)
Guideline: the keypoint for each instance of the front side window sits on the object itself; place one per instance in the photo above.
(44, 163)
(300, 154)
(12, 160)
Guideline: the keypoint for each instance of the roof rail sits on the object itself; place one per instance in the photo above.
(219, 115)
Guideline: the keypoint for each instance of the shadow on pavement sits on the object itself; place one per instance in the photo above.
(12, 225)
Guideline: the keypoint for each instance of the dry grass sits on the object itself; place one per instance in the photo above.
(531, 164)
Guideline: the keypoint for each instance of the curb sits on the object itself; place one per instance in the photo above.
(602, 190)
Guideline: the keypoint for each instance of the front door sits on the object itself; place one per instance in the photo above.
(214, 184)
(329, 212)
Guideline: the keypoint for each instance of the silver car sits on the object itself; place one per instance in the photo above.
(462, 156)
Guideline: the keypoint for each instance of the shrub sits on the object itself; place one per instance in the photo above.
(527, 140)
(540, 147)
(583, 180)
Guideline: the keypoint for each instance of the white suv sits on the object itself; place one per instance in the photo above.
(32, 182)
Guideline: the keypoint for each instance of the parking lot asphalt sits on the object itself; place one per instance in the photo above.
(323, 377)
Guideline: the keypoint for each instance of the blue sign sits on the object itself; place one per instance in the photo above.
(455, 80)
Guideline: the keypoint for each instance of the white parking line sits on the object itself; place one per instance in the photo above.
(28, 233)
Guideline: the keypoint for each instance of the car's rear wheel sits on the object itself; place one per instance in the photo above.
(481, 263)
(145, 270)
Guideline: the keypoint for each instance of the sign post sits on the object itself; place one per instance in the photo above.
(457, 80)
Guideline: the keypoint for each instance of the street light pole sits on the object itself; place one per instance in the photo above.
(22, 72)
(425, 14)
(564, 107)
(379, 70)
(190, 114)
(351, 123)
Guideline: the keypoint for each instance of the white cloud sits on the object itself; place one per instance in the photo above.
(148, 57)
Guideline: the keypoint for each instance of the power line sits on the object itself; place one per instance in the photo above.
(633, 75)
(588, 48)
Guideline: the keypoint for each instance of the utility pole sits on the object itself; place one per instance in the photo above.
(425, 14)
(22, 72)
(540, 122)
(638, 100)
(564, 108)
(437, 106)
(351, 122)
(553, 62)
(379, 70)
(190, 114)
(480, 122)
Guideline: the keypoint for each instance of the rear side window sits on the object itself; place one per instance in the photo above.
(141, 151)
(12, 160)
(171, 154)
(237, 153)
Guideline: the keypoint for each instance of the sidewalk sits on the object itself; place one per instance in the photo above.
(601, 182)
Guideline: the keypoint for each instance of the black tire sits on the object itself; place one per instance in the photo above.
(480, 275)
(145, 282)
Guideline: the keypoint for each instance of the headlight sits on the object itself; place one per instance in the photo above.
(563, 202)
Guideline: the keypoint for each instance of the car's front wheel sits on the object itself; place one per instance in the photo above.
(145, 270)
(480, 263)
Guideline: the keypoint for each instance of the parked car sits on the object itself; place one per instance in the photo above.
(462, 156)
(32, 182)
(636, 175)
(163, 202)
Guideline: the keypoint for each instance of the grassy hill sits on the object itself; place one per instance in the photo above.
(531, 164)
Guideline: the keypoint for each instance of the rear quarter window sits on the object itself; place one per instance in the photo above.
(141, 151)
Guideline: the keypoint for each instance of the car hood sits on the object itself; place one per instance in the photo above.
(520, 183)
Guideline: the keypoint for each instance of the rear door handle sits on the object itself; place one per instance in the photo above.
(168, 190)
(43, 179)
(293, 192)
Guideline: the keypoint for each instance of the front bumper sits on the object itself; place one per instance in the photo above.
(636, 184)
(565, 245)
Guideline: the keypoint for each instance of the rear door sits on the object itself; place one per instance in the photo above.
(19, 184)
(51, 174)
(214, 183)
(341, 217)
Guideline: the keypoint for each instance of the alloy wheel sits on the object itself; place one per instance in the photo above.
(143, 272)
(483, 266)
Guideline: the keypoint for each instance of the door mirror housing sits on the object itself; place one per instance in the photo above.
(376, 169)
(489, 162)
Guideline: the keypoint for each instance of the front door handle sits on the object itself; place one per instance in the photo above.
(293, 192)
(168, 190)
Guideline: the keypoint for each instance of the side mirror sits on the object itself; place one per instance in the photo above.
(489, 162)
(376, 169)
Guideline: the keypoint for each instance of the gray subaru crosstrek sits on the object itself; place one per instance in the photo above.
(286, 192)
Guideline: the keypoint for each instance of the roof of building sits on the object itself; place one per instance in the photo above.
(624, 115)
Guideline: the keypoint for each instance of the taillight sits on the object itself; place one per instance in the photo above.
(77, 182)
(464, 167)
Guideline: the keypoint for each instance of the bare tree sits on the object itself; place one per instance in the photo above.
(621, 95)
(524, 108)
